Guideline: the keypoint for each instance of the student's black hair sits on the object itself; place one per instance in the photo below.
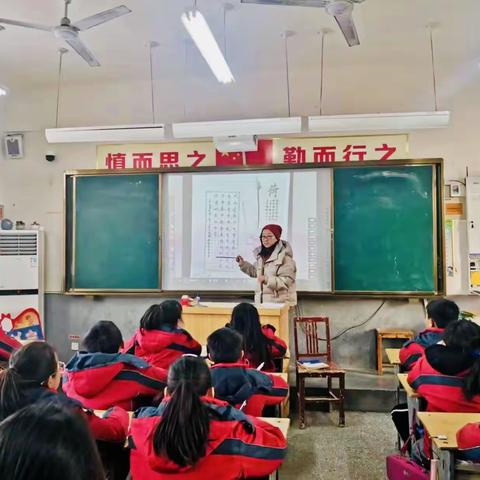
(30, 366)
(246, 321)
(464, 335)
(182, 434)
(442, 312)
(48, 442)
(103, 337)
(225, 345)
(167, 313)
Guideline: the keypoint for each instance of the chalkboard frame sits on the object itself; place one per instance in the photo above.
(438, 229)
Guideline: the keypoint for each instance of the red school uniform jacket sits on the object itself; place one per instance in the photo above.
(468, 441)
(238, 447)
(235, 384)
(104, 380)
(276, 346)
(8, 345)
(438, 377)
(162, 347)
(413, 349)
(112, 428)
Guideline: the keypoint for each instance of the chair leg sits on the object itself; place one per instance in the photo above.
(341, 403)
(379, 355)
(301, 402)
(329, 387)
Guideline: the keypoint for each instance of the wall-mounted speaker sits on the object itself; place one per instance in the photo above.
(14, 145)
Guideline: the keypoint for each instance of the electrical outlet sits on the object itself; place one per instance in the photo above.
(74, 346)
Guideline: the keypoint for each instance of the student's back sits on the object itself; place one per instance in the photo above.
(193, 436)
(236, 383)
(33, 377)
(159, 340)
(260, 344)
(100, 377)
(47, 442)
(448, 376)
(440, 313)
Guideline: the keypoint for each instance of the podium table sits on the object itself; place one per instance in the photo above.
(200, 321)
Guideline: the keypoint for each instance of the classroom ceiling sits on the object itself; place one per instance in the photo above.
(392, 32)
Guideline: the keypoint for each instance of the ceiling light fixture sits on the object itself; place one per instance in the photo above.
(198, 28)
(3, 91)
(378, 122)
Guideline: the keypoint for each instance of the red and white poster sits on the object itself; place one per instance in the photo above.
(288, 151)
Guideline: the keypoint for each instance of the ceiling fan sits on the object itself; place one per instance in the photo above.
(341, 10)
(68, 31)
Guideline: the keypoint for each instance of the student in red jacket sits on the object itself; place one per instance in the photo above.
(448, 376)
(440, 313)
(33, 376)
(194, 436)
(468, 441)
(260, 344)
(159, 340)
(8, 345)
(234, 382)
(100, 377)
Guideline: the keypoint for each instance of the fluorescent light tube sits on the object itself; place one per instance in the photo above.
(393, 122)
(201, 34)
(111, 134)
(224, 128)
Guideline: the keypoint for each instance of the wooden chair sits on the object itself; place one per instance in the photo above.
(312, 328)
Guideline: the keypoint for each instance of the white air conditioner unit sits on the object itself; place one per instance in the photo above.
(22, 283)
(109, 134)
(378, 122)
(225, 128)
(236, 143)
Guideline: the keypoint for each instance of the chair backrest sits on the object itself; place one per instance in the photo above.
(312, 338)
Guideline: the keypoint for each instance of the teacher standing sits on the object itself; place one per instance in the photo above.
(274, 268)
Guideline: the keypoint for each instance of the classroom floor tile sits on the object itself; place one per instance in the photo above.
(323, 451)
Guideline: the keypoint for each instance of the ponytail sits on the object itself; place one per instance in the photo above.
(182, 434)
(10, 394)
(167, 313)
(29, 367)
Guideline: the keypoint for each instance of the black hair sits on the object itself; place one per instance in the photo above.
(103, 337)
(442, 312)
(182, 434)
(30, 366)
(464, 335)
(246, 321)
(167, 313)
(225, 345)
(48, 442)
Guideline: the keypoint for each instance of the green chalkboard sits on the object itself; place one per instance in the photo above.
(384, 231)
(113, 231)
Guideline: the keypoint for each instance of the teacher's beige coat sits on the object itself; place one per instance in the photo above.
(280, 273)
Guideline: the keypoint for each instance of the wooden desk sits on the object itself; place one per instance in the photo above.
(201, 321)
(413, 399)
(445, 424)
(285, 405)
